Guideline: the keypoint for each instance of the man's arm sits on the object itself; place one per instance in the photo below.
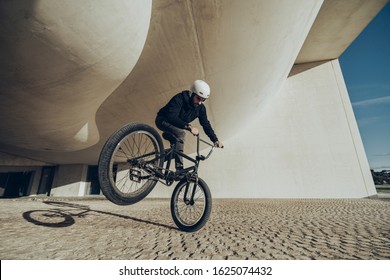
(205, 123)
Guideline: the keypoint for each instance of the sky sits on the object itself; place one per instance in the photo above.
(366, 69)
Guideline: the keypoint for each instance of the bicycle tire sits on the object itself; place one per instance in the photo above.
(114, 168)
(179, 208)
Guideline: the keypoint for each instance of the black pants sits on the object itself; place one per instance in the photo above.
(179, 133)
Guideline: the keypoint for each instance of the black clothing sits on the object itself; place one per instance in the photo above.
(180, 111)
(179, 134)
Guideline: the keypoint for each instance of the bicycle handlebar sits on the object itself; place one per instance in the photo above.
(198, 144)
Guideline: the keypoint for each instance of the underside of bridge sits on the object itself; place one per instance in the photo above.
(74, 72)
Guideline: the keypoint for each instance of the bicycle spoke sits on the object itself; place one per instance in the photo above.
(126, 145)
(126, 175)
(189, 213)
(135, 145)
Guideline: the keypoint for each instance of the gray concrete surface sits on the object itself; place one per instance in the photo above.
(72, 55)
(94, 228)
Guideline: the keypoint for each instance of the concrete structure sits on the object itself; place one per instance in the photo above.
(73, 72)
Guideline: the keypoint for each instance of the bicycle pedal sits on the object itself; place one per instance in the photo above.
(135, 175)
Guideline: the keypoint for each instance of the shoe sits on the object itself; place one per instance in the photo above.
(180, 174)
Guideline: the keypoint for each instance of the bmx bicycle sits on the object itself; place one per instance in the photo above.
(131, 163)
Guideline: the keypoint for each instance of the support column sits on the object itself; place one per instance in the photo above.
(70, 180)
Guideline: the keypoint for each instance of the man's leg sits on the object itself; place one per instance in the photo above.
(180, 134)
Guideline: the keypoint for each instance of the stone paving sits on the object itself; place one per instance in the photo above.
(281, 229)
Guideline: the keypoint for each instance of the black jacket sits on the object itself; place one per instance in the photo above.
(180, 112)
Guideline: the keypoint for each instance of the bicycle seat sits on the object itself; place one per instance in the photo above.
(171, 138)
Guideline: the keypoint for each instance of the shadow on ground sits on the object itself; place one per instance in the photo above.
(64, 214)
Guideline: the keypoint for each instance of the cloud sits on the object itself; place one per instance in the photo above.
(368, 121)
(382, 155)
(374, 101)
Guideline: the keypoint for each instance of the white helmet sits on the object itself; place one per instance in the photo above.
(201, 88)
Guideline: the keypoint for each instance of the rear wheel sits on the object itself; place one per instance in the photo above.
(121, 180)
(191, 205)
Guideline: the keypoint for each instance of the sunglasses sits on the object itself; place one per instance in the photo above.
(201, 99)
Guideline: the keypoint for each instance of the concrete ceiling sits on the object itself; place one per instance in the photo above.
(336, 27)
(72, 73)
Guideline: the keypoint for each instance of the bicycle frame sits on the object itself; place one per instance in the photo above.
(168, 155)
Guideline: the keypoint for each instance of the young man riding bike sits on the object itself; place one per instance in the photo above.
(176, 116)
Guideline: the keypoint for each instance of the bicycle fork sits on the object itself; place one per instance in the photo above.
(189, 200)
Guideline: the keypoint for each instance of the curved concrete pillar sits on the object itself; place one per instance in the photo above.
(59, 61)
(247, 49)
(243, 49)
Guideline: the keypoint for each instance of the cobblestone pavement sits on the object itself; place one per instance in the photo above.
(37, 228)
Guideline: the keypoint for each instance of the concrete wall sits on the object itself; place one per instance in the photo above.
(70, 180)
(7, 160)
(304, 144)
(293, 137)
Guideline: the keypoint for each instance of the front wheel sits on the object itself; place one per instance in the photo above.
(191, 205)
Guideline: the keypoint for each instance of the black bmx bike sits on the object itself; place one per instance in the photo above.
(131, 163)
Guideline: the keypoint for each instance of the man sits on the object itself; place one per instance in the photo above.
(181, 110)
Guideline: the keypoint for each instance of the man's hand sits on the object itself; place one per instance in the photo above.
(194, 131)
(218, 144)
